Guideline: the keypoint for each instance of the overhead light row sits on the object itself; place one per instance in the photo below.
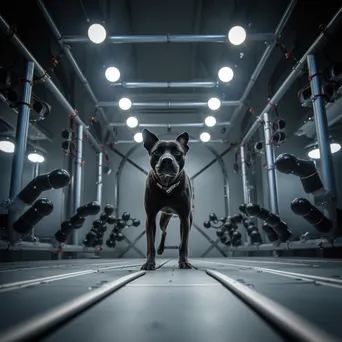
(8, 146)
(133, 122)
(225, 74)
(204, 137)
(214, 103)
(98, 34)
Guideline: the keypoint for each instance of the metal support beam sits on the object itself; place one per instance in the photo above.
(178, 125)
(46, 79)
(36, 170)
(125, 158)
(283, 21)
(213, 242)
(99, 184)
(131, 244)
(169, 38)
(318, 44)
(246, 193)
(72, 60)
(19, 156)
(322, 131)
(211, 163)
(78, 177)
(135, 85)
(271, 170)
(161, 105)
(220, 141)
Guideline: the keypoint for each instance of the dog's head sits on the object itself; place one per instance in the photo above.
(167, 157)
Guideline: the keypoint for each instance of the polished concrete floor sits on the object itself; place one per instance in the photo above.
(171, 304)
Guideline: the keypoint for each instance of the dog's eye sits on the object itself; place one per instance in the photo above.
(157, 153)
(177, 153)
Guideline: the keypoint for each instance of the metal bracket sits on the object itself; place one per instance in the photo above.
(6, 203)
(326, 197)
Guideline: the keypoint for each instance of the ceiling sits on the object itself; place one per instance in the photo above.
(174, 62)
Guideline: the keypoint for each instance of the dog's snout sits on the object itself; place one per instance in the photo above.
(167, 162)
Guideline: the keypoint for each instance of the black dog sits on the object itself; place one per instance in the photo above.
(168, 189)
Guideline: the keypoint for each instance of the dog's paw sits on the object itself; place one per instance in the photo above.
(184, 265)
(148, 266)
(160, 250)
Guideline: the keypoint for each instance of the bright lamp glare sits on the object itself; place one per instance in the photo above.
(214, 103)
(7, 146)
(210, 121)
(138, 137)
(225, 74)
(112, 74)
(237, 35)
(35, 158)
(315, 153)
(97, 33)
(125, 103)
(132, 122)
(205, 137)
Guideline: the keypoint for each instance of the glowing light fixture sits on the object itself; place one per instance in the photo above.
(138, 137)
(205, 137)
(97, 33)
(214, 103)
(112, 74)
(225, 74)
(210, 121)
(7, 146)
(237, 35)
(315, 153)
(125, 103)
(35, 157)
(132, 122)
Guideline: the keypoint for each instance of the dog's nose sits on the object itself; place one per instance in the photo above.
(167, 162)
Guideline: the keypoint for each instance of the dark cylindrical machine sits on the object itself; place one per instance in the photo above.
(252, 231)
(303, 207)
(270, 233)
(77, 221)
(272, 220)
(55, 179)
(304, 169)
(41, 208)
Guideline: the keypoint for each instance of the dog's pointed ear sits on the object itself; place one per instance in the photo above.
(149, 139)
(183, 139)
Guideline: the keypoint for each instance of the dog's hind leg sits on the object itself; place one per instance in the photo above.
(164, 221)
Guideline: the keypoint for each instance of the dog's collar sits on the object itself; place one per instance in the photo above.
(169, 189)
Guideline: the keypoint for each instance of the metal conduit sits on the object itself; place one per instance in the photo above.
(169, 38)
(193, 124)
(45, 78)
(190, 141)
(134, 85)
(72, 60)
(318, 44)
(168, 104)
(283, 21)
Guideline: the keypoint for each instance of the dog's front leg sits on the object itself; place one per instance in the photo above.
(150, 263)
(183, 248)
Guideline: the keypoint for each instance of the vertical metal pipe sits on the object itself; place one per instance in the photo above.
(271, 171)
(99, 184)
(246, 193)
(36, 169)
(78, 176)
(23, 122)
(321, 123)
